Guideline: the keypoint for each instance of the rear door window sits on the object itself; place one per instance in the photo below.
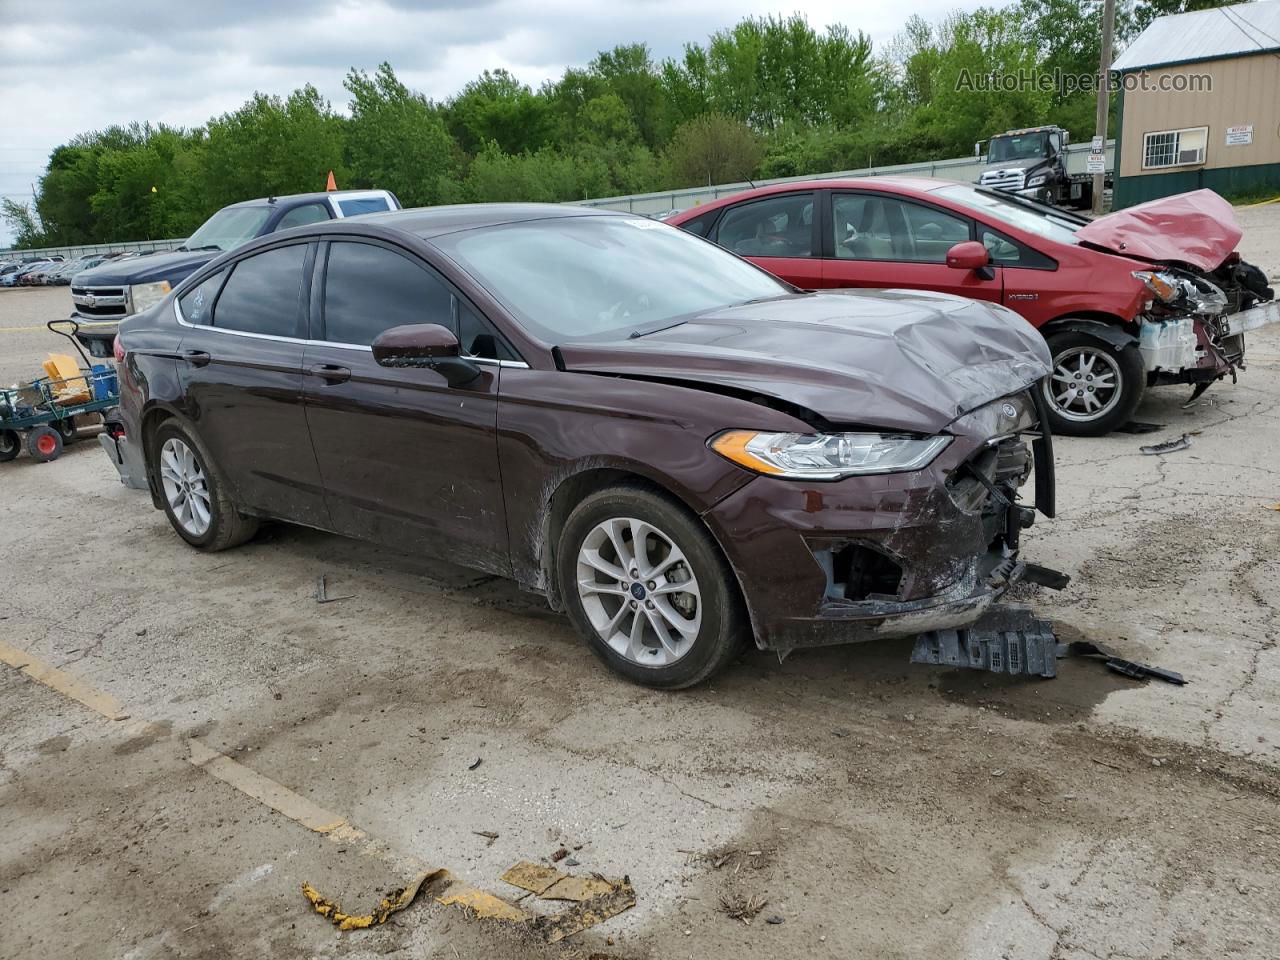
(264, 293)
(301, 216)
(774, 227)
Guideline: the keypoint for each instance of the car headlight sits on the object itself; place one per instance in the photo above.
(1165, 286)
(1037, 180)
(144, 295)
(825, 456)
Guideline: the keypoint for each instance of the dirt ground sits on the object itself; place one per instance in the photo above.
(881, 809)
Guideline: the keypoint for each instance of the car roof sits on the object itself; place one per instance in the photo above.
(427, 222)
(294, 199)
(918, 185)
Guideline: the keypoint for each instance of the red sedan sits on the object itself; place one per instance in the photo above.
(1134, 299)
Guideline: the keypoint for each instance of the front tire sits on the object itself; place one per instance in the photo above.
(1093, 387)
(194, 496)
(647, 586)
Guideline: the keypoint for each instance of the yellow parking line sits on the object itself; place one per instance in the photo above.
(276, 796)
(63, 682)
(266, 791)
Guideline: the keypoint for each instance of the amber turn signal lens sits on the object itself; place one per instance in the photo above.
(732, 445)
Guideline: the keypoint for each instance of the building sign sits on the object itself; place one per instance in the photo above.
(1099, 145)
(1096, 163)
(1240, 136)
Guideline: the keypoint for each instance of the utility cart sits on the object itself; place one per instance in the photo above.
(40, 415)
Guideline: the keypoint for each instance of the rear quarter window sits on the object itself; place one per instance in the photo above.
(196, 305)
(353, 208)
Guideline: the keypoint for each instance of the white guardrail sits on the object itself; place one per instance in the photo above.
(965, 169)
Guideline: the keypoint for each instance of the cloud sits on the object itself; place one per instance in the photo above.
(71, 66)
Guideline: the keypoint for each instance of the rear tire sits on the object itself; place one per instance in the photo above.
(66, 430)
(10, 445)
(44, 444)
(1093, 387)
(194, 496)
(667, 615)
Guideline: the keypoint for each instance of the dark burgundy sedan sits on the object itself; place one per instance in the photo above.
(676, 448)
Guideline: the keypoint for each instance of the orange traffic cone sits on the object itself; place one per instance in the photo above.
(332, 184)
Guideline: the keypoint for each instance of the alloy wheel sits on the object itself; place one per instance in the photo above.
(639, 591)
(1085, 384)
(185, 487)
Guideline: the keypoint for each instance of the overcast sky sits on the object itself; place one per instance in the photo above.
(70, 66)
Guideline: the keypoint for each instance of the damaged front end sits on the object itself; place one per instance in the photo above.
(900, 554)
(1186, 333)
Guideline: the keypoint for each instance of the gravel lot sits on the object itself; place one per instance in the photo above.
(882, 810)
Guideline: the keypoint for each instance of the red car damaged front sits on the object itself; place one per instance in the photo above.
(1194, 283)
(1147, 296)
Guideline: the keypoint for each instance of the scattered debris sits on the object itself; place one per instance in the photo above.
(620, 896)
(531, 876)
(483, 904)
(1169, 446)
(773, 919)
(548, 883)
(1137, 426)
(1275, 507)
(1128, 668)
(394, 902)
(559, 855)
(577, 889)
(742, 908)
(478, 761)
(1104, 763)
(571, 862)
(489, 835)
(1008, 638)
(322, 592)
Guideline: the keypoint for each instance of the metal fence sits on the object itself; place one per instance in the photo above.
(965, 169)
(87, 249)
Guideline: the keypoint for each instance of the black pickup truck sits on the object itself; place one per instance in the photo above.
(105, 295)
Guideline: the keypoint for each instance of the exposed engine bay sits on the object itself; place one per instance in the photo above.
(1185, 334)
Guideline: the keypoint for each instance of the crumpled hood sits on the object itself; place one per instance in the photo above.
(893, 359)
(1198, 228)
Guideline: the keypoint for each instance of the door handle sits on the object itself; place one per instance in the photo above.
(197, 358)
(330, 372)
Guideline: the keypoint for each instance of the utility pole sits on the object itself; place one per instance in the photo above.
(1104, 94)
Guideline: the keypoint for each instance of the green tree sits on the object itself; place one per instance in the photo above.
(397, 140)
(711, 149)
(498, 108)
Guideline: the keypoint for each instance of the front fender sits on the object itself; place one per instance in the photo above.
(1112, 334)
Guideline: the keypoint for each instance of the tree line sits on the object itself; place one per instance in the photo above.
(767, 97)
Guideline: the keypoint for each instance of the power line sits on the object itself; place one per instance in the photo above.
(1235, 20)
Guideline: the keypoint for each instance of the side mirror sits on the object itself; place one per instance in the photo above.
(425, 345)
(969, 255)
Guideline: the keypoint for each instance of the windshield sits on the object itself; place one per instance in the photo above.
(604, 277)
(1006, 211)
(228, 229)
(1026, 147)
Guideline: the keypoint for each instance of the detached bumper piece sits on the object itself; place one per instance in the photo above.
(1006, 639)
